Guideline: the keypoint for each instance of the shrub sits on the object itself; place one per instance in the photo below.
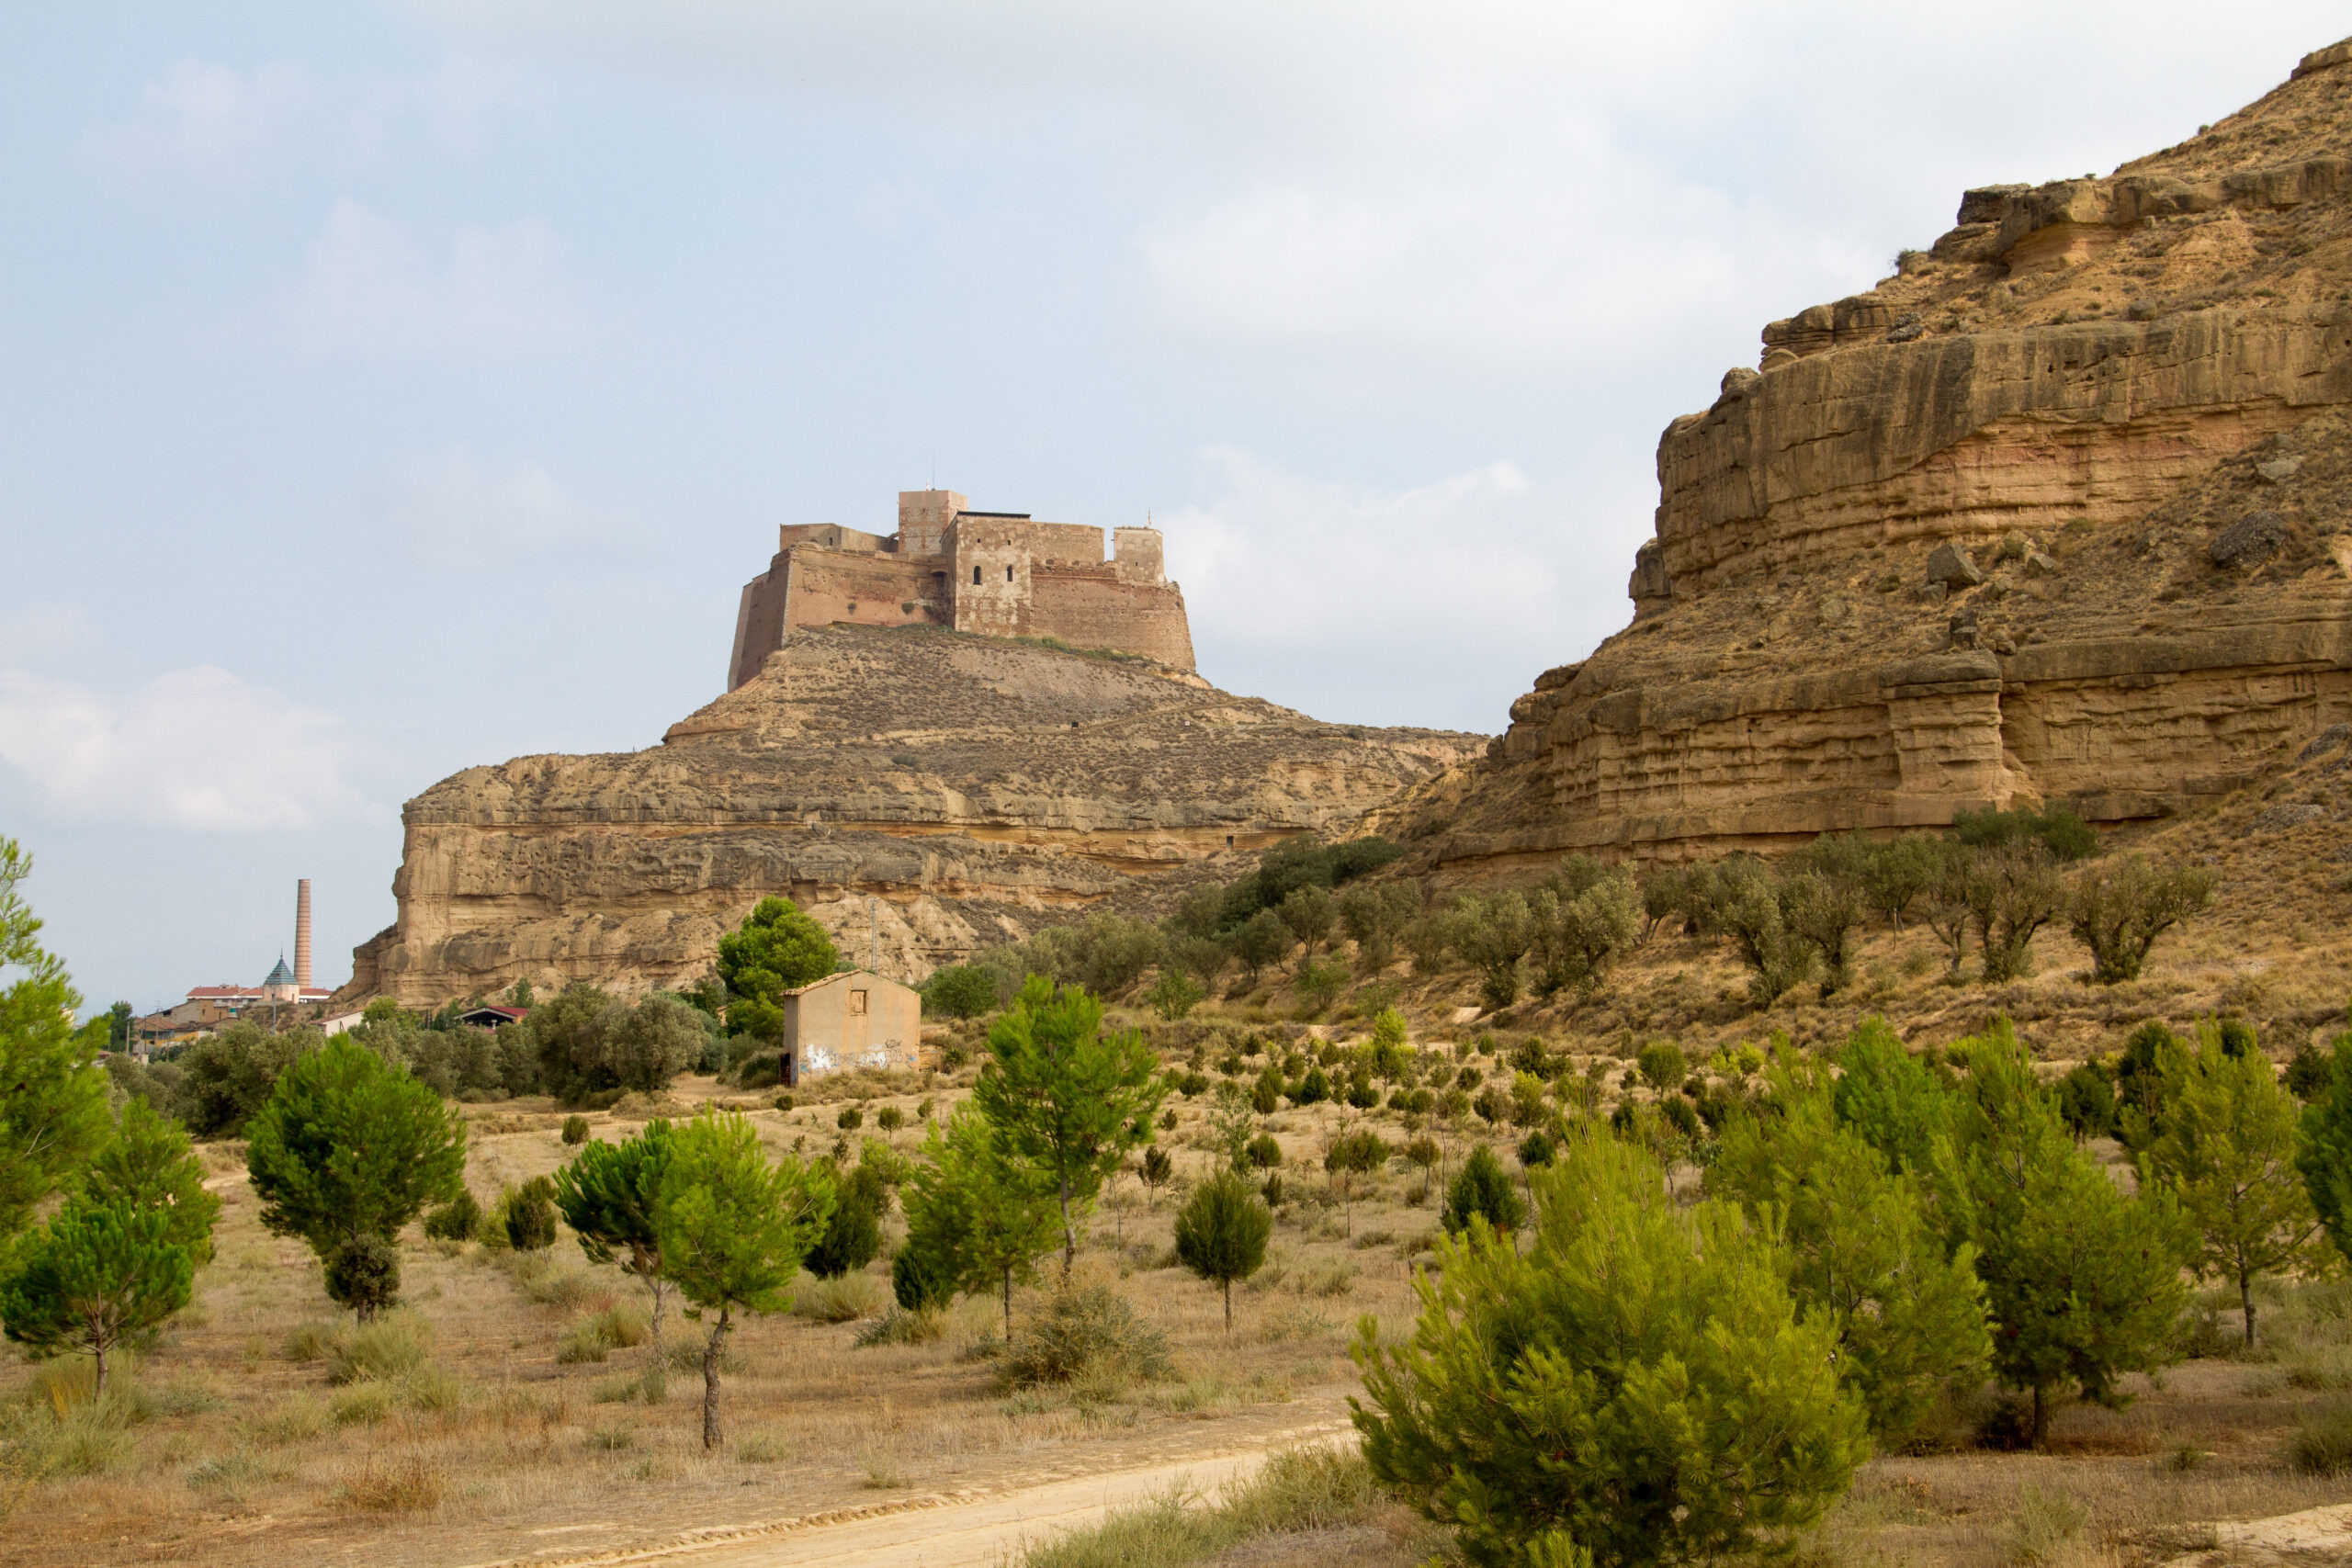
(1535, 1149)
(2323, 1443)
(902, 1326)
(920, 1278)
(842, 1300)
(392, 1346)
(1264, 1152)
(363, 1272)
(530, 1215)
(1085, 1332)
(850, 1118)
(600, 1333)
(575, 1129)
(2308, 1071)
(853, 1234)
(460, 1219)
(1661, 1065)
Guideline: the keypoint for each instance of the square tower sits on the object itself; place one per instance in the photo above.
(924, 516)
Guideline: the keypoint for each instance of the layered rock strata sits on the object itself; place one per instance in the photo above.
(2058, 512)
(922, 792)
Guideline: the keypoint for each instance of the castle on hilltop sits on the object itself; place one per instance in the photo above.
(997, 574)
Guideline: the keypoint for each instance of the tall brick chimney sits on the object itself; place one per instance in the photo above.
(302, 934)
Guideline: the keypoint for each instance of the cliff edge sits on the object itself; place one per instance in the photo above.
(972, 788)
(2057, 511)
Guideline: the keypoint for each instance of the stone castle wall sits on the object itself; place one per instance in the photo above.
(992, 574)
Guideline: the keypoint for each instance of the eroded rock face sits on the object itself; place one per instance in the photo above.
(1981, 535)
(971, 788)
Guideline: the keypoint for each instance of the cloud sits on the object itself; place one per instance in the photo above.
(194, 747)
(1511, 185)
(1433, 604)
(450, 510)
(36, 632)
(210, 122)
(368, 284)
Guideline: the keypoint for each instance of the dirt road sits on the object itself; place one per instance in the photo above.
(976, 1530)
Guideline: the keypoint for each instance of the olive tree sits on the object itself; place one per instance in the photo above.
(2118, 907)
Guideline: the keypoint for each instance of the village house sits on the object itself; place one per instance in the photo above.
(854, 1019)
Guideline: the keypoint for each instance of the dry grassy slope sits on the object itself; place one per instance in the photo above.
(2111, 371)
(976, 788)
(2275, 946)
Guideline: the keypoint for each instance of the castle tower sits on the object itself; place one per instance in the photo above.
(302, 934)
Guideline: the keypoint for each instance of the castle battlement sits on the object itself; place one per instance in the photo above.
(996, 573)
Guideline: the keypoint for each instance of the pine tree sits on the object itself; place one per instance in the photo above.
(733, 1229)
(607, 1195)
(347, 1150)
(94, 1275)
(1221, 1233)
(1891, 1098)
(1481, 1190)
(151, 1165)
(1635, 1389)
(1862, 1252)
(2083, 1284)
(776, 949)
(982, 1218)
(52, 1092)
(1066, 1098)
(2226, 1150)
(2325, 1158)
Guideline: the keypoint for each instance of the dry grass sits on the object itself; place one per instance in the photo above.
(516, 1394)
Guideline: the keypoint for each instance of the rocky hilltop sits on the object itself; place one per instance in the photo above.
(2063, 510)
(972, 788)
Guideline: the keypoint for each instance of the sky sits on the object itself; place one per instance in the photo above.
(388, 389)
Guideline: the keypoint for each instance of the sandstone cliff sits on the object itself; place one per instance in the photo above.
(973, 788)
(2058, 512)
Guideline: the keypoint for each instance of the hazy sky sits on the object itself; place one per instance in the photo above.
(386, 390)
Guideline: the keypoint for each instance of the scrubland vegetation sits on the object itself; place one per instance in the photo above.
(1625, 1295)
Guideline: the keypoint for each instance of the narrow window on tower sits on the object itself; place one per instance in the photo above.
(1008, 574)
(975, 577)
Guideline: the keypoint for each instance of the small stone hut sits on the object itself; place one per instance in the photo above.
(854, 1019)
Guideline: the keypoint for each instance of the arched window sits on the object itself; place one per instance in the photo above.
(1008, 574)
(975, 577)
